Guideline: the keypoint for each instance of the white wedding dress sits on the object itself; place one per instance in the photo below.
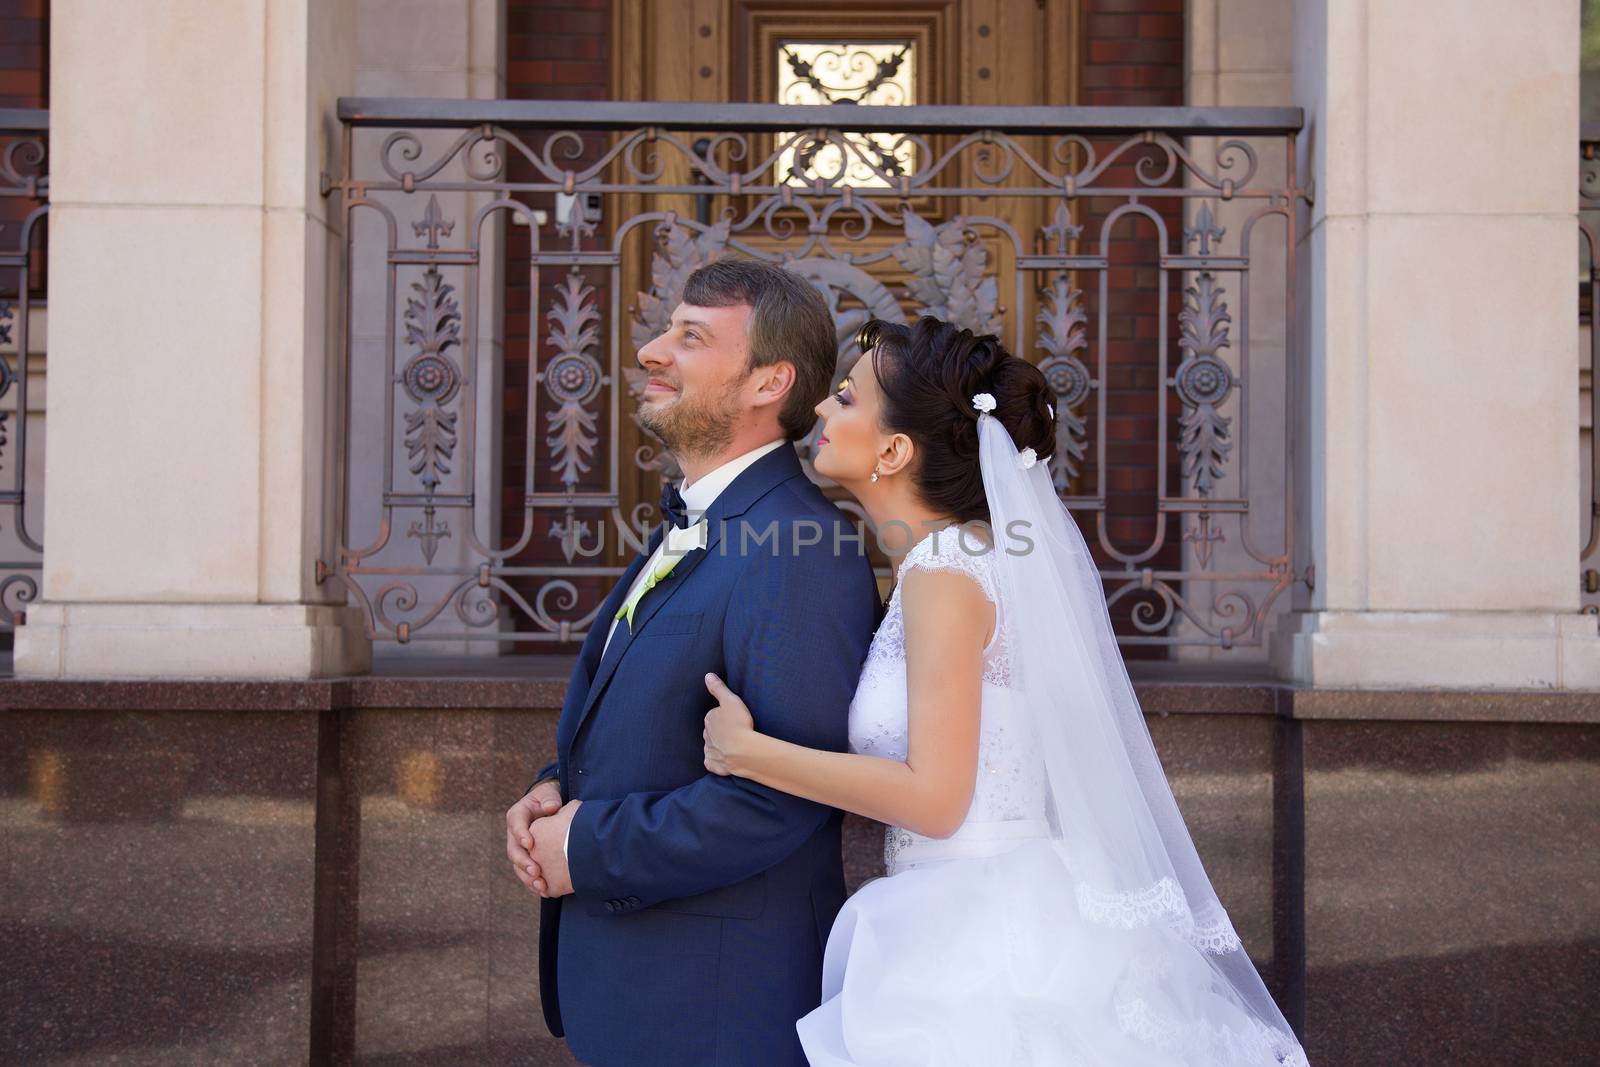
(975, 949)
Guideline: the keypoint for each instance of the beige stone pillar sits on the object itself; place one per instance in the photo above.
(193, 332)
(1437, 296)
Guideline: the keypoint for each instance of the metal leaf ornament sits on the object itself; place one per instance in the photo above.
(1203, 382)
(431, 379)
(573, 379)
(1062, 335)
(948, 266)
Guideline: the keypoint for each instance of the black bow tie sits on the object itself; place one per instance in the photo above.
(673, 507)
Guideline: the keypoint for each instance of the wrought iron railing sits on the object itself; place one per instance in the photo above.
(1589, 270)
(1115, 246)
(24, 202)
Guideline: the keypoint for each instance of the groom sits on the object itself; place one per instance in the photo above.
(685, 914)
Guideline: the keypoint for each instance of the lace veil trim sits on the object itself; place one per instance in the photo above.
(1162, 902)
(1221, 1046)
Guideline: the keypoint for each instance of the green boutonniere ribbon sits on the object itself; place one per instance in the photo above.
(678, 544)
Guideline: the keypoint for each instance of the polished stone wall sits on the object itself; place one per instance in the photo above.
(1451, 892)
(293, 872)
(156, 894)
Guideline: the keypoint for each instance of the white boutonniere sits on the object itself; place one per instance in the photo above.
(680, 543)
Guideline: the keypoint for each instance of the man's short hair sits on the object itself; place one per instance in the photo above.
(788, 321)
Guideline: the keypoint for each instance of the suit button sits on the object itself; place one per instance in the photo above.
(634, 901)
(582, 771)
(611, 905)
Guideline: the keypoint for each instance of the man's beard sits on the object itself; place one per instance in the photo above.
(696, 427)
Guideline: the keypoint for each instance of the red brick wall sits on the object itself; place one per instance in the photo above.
(1132, 52)
(24, 82)
(24, 53)
(559, 49)
(1132, 55)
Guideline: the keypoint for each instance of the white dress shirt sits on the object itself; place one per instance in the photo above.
(697, 500)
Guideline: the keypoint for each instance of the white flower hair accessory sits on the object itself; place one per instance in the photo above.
(1052, 409)
(984, 402)
(1027, 457)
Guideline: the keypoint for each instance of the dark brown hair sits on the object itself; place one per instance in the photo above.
(788, 323)
(928, 373)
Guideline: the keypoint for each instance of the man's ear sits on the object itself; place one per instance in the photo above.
(773, 383)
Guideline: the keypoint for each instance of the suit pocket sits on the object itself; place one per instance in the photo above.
(742, 900)
(665, 625)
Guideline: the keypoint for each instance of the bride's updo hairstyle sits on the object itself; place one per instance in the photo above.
(928, 373)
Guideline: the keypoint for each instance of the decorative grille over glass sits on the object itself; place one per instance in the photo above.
(878, 74)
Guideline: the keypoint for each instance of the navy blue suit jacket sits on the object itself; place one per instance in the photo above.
(702, 904)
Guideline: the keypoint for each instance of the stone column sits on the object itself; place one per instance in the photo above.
(1439, 438)
(193, 333)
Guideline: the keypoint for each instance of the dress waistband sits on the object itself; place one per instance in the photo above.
(972, 841)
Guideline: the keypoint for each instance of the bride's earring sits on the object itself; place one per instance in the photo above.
(874, 473)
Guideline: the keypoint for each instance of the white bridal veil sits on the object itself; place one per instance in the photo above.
(1113, 819)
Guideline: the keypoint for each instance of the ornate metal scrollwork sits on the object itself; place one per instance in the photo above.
(949, 273)
(573, 379)
(24, 196)
(1062, 336)
(851, 228)
(1203, 382)
(7, 375)
(431, 379)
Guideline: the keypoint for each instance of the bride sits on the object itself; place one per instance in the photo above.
(1044, 904)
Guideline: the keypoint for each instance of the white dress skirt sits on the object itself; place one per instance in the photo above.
(975, 950)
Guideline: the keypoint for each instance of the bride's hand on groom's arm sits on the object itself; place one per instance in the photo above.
(729, 730)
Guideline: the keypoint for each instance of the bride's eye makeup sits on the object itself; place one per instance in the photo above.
(846, 398)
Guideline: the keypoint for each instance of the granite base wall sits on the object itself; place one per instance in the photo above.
(248, 882)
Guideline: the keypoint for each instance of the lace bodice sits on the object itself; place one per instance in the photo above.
(1011, 777)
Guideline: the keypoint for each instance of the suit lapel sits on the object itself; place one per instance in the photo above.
(643, 612)
(591, 655)
(594, 647)
(762, 476)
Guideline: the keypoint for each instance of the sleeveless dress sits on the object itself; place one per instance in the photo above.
(972, 949)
